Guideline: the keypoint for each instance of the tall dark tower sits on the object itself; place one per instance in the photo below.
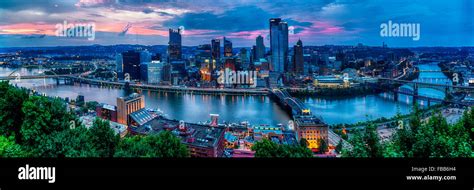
(131, 65)
(260, 48)
(227, 48)
(279, 44)
(298, 59)
(216, 49)
(174, 44)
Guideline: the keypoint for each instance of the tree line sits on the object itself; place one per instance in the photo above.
(40, 126)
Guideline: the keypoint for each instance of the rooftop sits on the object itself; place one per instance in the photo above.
(191, 134)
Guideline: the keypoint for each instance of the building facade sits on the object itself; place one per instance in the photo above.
(131, 65)
(279, 44)
(312, 129)
(128, 105)
(174, 44)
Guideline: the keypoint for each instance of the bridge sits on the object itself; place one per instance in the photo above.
(17, 77)
(291, 104)
(167, 88)
(411, 88)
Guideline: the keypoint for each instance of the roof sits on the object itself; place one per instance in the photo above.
(142, 116)
(109, 107)
(192, 134)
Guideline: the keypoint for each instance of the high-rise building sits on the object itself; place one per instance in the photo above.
(128, 105)
(174, 44)
(260, 48)
(227, 48)
(155, 69)
(243, 57)
(119, 64)
(216, 49)
(298, 59)
(279, 44)
(131, 65)
(253, 54)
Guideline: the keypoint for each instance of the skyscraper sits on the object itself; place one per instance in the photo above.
(119, 63)
(155, 70)
(227, 48)
(298, 59)
(279, 44)
(174, 44)
(131, 65)
(260, 48)
(216, 49)
(243, 57)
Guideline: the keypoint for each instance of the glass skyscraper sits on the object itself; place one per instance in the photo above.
(279, 44)
(174, 45)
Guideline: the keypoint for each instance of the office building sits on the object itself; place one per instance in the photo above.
(298, 59)
(227, 48)
(174, 44)
(155, 70)
(260, 48)
(216, 49)
(131, 65)
(279, 45)
(119, 64)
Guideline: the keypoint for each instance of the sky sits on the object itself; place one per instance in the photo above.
(32, 23)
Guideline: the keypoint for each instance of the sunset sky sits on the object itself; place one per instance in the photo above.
(339, 22)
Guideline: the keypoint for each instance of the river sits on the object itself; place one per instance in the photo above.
(255, 109)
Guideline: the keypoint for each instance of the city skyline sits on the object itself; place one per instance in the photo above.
(315, 23)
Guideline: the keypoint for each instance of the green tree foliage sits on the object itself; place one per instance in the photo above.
(338, 148)
(11, 116)
(8, 148)
(43, 116)
(468, 122)
(323, 146)
(359, 149)
(435, 138)
(103, 138)
(365, 143)
(67, 143)
(162, 145)
(269, 149)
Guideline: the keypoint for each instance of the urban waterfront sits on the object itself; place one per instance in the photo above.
(234, 109)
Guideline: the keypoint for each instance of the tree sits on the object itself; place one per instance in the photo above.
(8, 148)
(43, 116)
(339, 147)
(11, 116)
(468, 122)
(359, 149)
(67, 143)
(163, 145)
(372, 141)
(323, 146)
(270, 149)
(91, 105)
(103, 138)
(304, 142)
